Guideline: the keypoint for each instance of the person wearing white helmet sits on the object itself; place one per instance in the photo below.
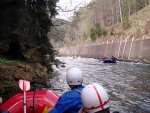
(94, 99)
(70, 101)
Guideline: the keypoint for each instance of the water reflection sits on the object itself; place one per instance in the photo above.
(128, 84)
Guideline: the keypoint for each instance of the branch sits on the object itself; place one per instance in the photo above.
(63, 10)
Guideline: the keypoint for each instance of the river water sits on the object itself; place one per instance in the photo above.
(127, 83)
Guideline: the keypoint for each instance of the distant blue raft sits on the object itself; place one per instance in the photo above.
(109, 61)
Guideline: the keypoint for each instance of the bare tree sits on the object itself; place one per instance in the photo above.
(120, 11)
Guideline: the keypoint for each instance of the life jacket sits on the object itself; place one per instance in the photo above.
(78, 91)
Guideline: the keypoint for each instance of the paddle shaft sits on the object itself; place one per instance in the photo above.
(25, 86)
(24, 102)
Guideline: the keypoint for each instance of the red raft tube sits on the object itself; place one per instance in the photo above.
(36, 102)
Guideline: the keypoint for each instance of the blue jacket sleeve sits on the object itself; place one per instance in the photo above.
(64, 105)
(69, 102)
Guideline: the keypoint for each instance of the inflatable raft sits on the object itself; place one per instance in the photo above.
(36, 102)
(109, 61)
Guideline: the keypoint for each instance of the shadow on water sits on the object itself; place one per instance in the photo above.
(127, 83)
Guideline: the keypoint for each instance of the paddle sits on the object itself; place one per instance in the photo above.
(25, 86)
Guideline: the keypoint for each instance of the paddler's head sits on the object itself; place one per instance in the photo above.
(95, 99)
(74, 77)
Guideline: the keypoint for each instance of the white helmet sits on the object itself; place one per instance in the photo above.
(74, 76)
(94, 98)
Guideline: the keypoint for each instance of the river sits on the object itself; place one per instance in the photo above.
(127, 83)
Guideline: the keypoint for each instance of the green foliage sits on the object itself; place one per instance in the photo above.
(93, 34)
(97, 32)
(27, 22)
(12, 73)
(126, 23)
(5, 61)
(104, 32)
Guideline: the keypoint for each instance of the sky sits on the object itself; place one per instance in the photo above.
(66, 7)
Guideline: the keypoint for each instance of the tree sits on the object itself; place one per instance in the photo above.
(27, 22)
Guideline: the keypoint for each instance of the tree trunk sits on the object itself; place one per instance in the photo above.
(15, 51)
(120, 11)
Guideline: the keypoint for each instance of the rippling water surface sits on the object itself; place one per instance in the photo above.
(128, 84)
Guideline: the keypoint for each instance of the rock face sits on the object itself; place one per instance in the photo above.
(130, 50)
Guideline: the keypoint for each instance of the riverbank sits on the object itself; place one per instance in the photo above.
(12, 70)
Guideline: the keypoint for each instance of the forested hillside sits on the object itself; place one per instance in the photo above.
(107, 20)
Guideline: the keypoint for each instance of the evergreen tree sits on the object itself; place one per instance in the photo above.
(27, 22)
